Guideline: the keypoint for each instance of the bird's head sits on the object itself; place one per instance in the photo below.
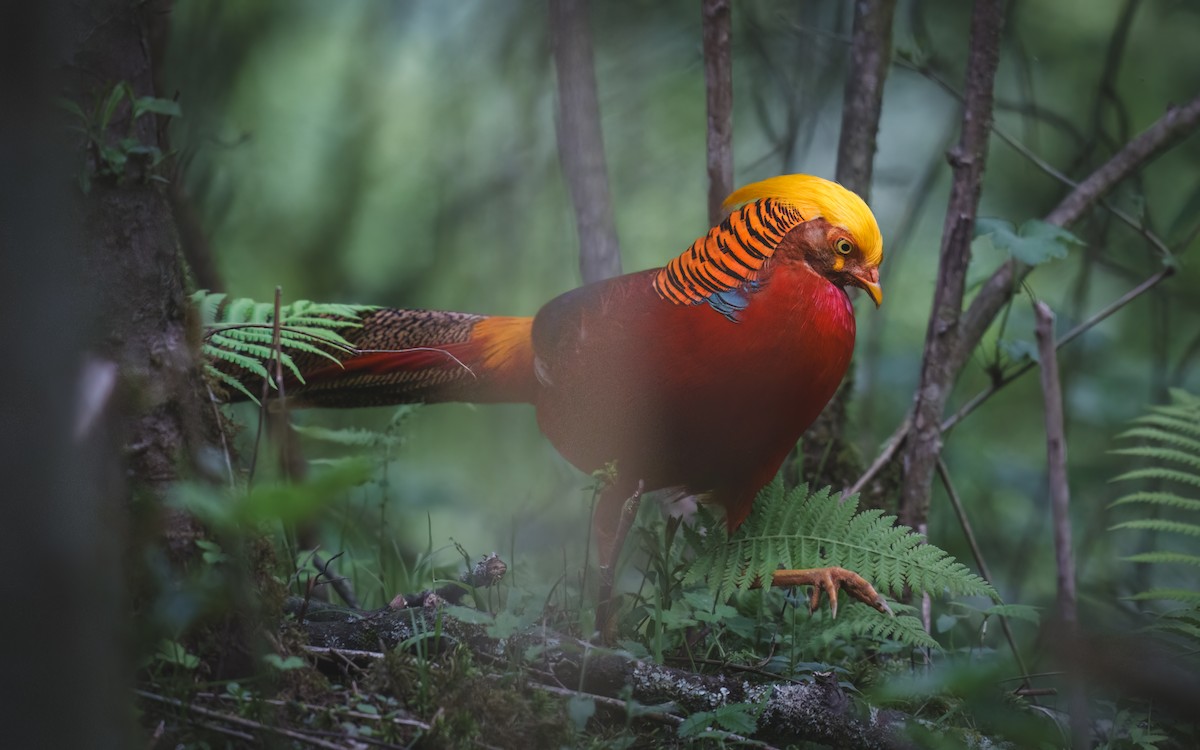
(838, 234)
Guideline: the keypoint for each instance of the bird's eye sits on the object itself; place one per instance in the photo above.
(843, 246)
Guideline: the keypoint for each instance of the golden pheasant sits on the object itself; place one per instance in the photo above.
(700, 375)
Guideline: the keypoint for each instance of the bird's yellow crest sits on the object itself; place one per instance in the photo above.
(815, 197)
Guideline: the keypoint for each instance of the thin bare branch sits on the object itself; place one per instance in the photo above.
(239, 721)
(960, 512)
(1049, 168)
(941, 339)
(1067, 338)
(870, 60)
(718, 79)
(580, 142)
(1060, 505)
(1177, 123)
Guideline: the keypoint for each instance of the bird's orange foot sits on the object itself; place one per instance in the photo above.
(829, 580)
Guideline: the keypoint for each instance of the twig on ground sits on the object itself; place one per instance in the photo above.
(239, 721)
(310, 707)
(339, 583)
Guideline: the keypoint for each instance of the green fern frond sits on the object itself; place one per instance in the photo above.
(207, 305)
(1163, 435)
(1166, 475)
(1183, 596)
(351, 437)
(1181, 622)
(860, 622)
(241, 360)
(241, 332)
(1165, 557)
(262, 354)
(227, 379)
(1185, 629)
(1160, 524)
(1169, 434)
(1158, 498)
(1159, 453)
(799, 529)
(1171, 419)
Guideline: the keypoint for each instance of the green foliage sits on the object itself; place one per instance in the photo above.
(241, 333)
(798, 529)
(223, 508)
(1036, 242)
(114, 154)
(1169, 437)
(739, 718)
(175, 654)
(1132, 730)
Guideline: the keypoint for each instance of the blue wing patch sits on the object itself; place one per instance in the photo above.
(731, 302)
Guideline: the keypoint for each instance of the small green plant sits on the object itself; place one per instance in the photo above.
(739, 718)
(114, 153)
(1132, 730)
(239, 335)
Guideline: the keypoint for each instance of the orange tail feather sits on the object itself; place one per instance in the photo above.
(412, 356)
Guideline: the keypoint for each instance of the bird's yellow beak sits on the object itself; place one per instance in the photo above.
(868, 279)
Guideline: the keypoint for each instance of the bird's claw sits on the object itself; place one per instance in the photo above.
(828, 581)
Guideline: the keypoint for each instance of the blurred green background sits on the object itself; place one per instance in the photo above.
(404, 154)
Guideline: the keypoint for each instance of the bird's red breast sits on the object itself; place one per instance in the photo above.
(687, 395)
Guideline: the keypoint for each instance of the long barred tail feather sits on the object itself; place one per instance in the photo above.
(414, 356)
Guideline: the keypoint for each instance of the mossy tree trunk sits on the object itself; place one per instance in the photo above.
(105, 404)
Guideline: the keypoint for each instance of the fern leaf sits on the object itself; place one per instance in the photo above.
(263, 353)
(1158, 434)
(1168, 434)
(1154, 472)
(816, 530)
(245, 310)
(207, 305)
(1160, 524)
(1164, 557)
(1160, 453)
(1172, 419)
(352, 437)
(232, 382)
(1185, 596)
(857, 624)
(247, 363)
(1159, 498)
(242, 332)
(1185, 629)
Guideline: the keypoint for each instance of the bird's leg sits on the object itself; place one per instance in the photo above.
(611, 523)
(829, 580)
